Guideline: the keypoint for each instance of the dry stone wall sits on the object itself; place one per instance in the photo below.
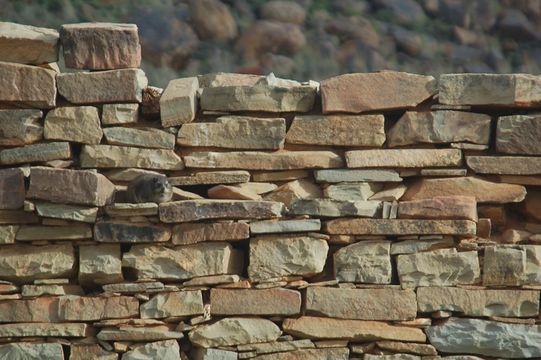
(371, 216)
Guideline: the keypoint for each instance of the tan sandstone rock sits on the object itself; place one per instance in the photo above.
(518, 134)
(178, 102)
(110, 156)
(76, 124)
(505, 165)
(178, 303)
(185, 234)
(36, 153)
(127, 232)
(20, 127)
(66, 330)
(255, 302)
(211, 178)
(25, 44)
(439, 207)
(403, 158)
(142, 137)
(116, 114)
(400, 227)
(30, 86)
(88, 308)
(100, 264)
(291, 191)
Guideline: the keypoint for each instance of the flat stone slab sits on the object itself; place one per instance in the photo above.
(110, 156)
(79, 124)
(364, 262)
(67, 330)
(40, 232)
(178, 102)
(25, 44)
(255, 302)
(165, 350)
(100, 264)
(386, 90)
(400, 227)
(350, 175)
(36, 153)
(12, 189)
(124, 85)
(126, 232)
(403, 158)
(479, 302)
(132, 209)
(30, 86)
(360, 191)
(284, 226)
(505, 165)
(88, 308)
(185, 234)
(235, 132)
(337, 130)
(312, 354)
(252, 160)
(519, 134)
(142, 137)
(194, 210)
(139, 334)
(118, 46)
(19, 127)
(211, 178)
(22, 350)
(361, 304)
(513, 90)
(439, 207)
(178, 303)
(489, 338)
(335, 208)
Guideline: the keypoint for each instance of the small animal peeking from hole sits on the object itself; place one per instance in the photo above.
(149, 188)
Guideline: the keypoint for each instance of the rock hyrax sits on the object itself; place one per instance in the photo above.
(149, 188)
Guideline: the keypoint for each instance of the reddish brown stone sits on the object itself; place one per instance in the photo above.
(439, 207)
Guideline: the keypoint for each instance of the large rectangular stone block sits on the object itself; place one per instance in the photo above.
(178, 103)
(20, 127)
(25, 44)
(36, 153)
(29, 86)
(255, 302)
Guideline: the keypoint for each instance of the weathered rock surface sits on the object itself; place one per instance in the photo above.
(211, 354)
(258, 98)
(110, 156)
(518, 134)
(100, 46)
(361, 304)
(67, 212)
(280, 255)
(235, 331)
(235, 132)
(39, 232)
(479, 302)
(30, 86)
(309, 354)
(185, 234)
(355, 330)
(32, 351)
(12, 190)
(124, 85)
(25, 44)
(351, 191)
(36, 153)
(211, 178)
(125, 232)
(178, 102)
(291, 191)
(438, 127)
(87, 308)
(335, 208)
(148, 138)
(20, 127)
(386, 90)
(138, 334)
(516, 90)
(349, 175)
(7, 234)
(445, 267)
(400, 227)
(100, 264)
(403, 158)
(252, 160)
(179, 303)
(364, 262)
(262, 302)
(116, 114)
(194, 210)
(489, 338)
(70, 186)
(182, 262)
(43, 330)
(483, 190)
(338, 130)
(439, 207)
(219, 79)
(512, 265)
(164, 350)
(42, 309)
(284, 226)
(505, 165)
(77, 124)
(88, 351)
(415, 246)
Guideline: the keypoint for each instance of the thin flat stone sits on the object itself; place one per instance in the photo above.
(143, 137)
(119, 114)
(178, 102)
(352, 191)
(335, 208)
(505, 165)
(164, 350)
(255, 302)
(400, 227)
(19, 127)
(67, 212)
(79, 124)
(181, 303)
(284, 226)
(228, 79)
(285, 175)
(418, 349)
(126, 232)
(36, 232)
(415, 246)
(145, 334)
(439, 207)
(43, 330)
(25, 44)
(185, 234)
(30, 86)
(36, 153)
(348, 175)
(403, 158)
(211, 178)
(312, 354)
(291, 191)
(110, 156)
(213, 280)
(134, 287)
(130, 209)
(278, 346)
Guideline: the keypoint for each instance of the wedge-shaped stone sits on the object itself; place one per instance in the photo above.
(110, 156)
(194, 210)
(489, 338)
(20, 127)
(484, 191)
(211, 178)
(26, 44)
(505, 165)
(116, 114)
(479, 302)
(512, 265)
(185, 234)
(178, 303)
(516, 90)
(182, 262)
(364, 262)
(275, 256)
(126, 232)
(148, 138)
(77, 124)
(518, 134)
(100, 264)
(400, 227)
(284, 226)
(439, 207)
(258, 98)
(361, 304)
(178, 103)
(12, 189)
(335, 208)
(386, 90)
(235, 132)
(30, 86)
(70, 186)
(312, 354)
(291, 191)
(88, 308)
(262, 302)
(32, 351)
(39, 232)
(139, 334)
(165, 350)
(337, 130)
(404, 158)
(43, 330)
(67, 212)
(36, 153)
(354, 330)
(25, 263)
(352, 191)
(438, 127)
(103, 86)
(118, 46)
(235, 331)
(253, 160)
(445, 267)
(349, 175)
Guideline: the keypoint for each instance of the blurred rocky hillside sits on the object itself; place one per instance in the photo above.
(312, 39)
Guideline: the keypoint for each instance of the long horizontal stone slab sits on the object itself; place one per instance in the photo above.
(258, 98)
(19, 127)
(255, 302)
(185, 234)
(44, 330)
(126, 232)
(515, 90)
(354, 330)
(36, 153)
(194, 210)
(252, 160)
(211, 178)
(400, 227)
(439, 207)
(361, 304)
(284, 226)
(338, 130)
(505, 165)
(176, 303)
(519, 134)
(479, 302)
(335, 208)
(138, 334)
(25, 44)
(403, 158)
(40, 232)
(351, 175)
(30, 86)
(312, 354)
(110, 156)
(141, 137)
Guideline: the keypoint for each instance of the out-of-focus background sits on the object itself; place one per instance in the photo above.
(311, 39)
